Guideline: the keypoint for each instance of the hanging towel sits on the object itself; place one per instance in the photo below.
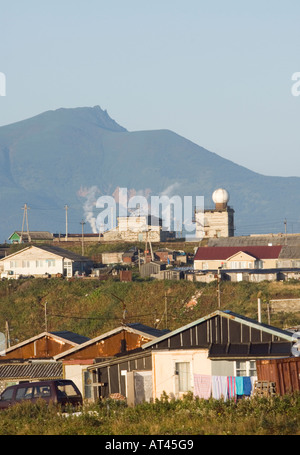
(247, 385)
(253, 379)
(239, 383)
(219, 387)
(202, 385)
(231, 384)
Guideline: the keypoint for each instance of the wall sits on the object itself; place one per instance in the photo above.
(75, 373)
(217, 223)
(163, 367)
(222, 368)
(31, 256)
(290, 305)
(38, 349)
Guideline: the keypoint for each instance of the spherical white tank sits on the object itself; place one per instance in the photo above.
(220, 196)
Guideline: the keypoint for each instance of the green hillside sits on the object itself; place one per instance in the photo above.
(91, 307)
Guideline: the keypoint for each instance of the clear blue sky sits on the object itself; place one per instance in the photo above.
(216, 72)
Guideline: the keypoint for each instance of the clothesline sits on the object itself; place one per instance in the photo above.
(222, 387)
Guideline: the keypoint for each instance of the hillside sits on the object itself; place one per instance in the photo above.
(72, 156)
(91, 307)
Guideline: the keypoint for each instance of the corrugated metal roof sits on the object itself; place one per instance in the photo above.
(32, 370)
(225, 252)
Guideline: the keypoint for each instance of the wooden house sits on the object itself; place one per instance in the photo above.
(32, 359)
(222, 344)
(118, 341)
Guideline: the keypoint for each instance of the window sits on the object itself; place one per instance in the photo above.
(183, 371)
(50, 262)
(24, 393)
(42, 391)
(13, 264)
(39, 263)
(88, 381)
(7, 394)
(245, 368)
(66, 390)
(25, 264)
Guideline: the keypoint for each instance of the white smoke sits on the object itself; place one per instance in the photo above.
(90, 194)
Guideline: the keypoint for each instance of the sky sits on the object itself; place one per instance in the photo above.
(216, 72)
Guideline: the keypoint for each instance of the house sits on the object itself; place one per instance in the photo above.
(31, 236)
(236, 257)
(152, 267)
(120, 340)
(222, 344)
(41, 260)
(32, 359)
(164, 255)
(111, 258)
(43, 346)
(249, 262)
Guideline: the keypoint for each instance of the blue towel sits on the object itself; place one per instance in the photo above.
(247, 385)
(239, 383)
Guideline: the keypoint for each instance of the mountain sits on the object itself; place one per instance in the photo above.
(73, 156)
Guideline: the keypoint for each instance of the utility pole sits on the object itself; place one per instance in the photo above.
(219, 290)
(46, 322)
(259, 309)
(7, 335)
(82, 238)
(285, 230)
(25, 218)
(166, 309)
(66, 238)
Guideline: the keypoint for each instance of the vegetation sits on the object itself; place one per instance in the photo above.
(91, 306)
(256, 416)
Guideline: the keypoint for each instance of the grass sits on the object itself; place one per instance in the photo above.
(90, 306)
(256, 416)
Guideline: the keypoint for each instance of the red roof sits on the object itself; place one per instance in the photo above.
(215, 253)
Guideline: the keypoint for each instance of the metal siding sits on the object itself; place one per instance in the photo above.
(114, 379)
(103, 377)
(202, 333)
(284, 372)
(224, 324)
(234, 331)
(186, 339)
(175, 342)
(255, 335)
(245, 334)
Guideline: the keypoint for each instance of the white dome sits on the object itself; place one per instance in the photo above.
(220, 196)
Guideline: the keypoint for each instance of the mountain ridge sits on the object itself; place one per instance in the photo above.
(71, 156)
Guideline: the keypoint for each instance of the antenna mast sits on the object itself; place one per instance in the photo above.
(25, 218)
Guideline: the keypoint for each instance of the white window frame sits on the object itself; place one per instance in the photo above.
(249, 370)
(190, 385)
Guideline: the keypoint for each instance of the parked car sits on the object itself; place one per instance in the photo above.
(61, 392)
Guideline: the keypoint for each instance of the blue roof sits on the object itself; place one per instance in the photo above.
(71, 336)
